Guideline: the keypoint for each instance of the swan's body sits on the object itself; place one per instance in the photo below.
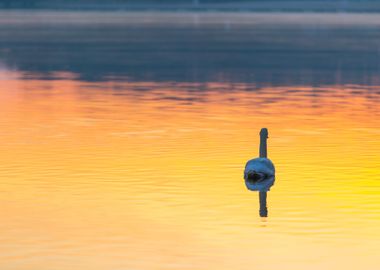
(259, 173)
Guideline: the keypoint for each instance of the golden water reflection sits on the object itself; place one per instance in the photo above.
(124, 175)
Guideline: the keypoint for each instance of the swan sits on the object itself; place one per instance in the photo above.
(259, 173)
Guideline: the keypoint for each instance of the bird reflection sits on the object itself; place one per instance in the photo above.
(259, 173)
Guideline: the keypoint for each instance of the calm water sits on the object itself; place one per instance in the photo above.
(124, 137)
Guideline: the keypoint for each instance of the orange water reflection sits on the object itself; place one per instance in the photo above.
(122, 175)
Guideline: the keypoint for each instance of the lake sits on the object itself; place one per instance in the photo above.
(124, 138)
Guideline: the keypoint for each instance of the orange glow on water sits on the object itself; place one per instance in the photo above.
(122, 175)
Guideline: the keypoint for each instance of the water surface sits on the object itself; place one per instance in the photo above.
(124, 141)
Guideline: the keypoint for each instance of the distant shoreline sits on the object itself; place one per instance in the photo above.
(260, 6)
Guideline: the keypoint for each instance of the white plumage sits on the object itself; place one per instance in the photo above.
(259, 174)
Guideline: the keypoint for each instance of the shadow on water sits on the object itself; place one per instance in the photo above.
(212, 48)
(263, 204)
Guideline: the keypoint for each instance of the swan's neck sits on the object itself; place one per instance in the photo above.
(263, 154)
(263, 143)
(263, 147)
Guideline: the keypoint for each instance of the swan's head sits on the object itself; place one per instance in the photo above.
(264, 133)
(257, 181)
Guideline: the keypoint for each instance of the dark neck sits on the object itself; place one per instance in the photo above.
(263, 147)
(263, 143)
(263, 154)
